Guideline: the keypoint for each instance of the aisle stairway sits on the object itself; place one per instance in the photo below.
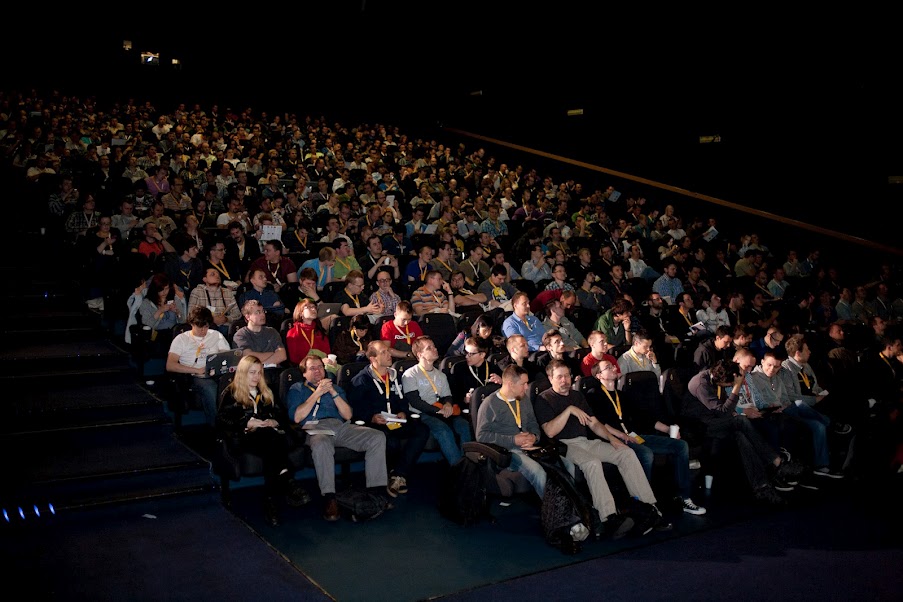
(80, 429)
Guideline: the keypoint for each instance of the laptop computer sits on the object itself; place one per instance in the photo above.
(223, 362)
(328, 309)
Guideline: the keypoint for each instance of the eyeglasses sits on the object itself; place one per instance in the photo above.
(383, 280)
(469, 353)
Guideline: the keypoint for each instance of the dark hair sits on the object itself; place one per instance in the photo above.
(157, 283)
(554, 365)
(724, 370)
(200, 316)
(498, 269)
(482, 320)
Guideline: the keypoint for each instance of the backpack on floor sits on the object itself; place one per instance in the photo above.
(564, 506)
(360, 505)
(464, 493)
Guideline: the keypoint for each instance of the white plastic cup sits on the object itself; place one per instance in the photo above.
(708, 481)
(674, 431)
(359, 422)
(43, 231)
(332, 357)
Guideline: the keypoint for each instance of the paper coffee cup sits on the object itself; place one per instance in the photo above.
(674, 431)
(708, 481)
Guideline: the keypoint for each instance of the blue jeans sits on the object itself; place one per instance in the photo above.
(533, 470)
(444, 432)
(205, 390)
(817, 424)
(680, 458)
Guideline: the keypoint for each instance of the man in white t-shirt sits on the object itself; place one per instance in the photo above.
(188, 355)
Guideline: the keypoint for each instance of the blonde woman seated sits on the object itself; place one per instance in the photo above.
(253, 424)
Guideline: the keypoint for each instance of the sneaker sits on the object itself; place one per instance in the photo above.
(795, 469)
(296, 496)
(402, 485)
(787, 473)
(780, 484)
(767, 495)
(394, 486)
(579, 532)
(808, 484)
(824, 471)
(785, 455)
(691, 508)
(615, 527)
(695, 465)
(331, 512)
(842, 429)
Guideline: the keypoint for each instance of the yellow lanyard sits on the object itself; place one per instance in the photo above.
(303, 242)
(310, 341)
(423, 272)
(445, 265)
(322, 277)
(346, 264)
(516, 414)
(356, 339)
(406, 334)
(353, 297)
(385, 382)
(805, 378)
(687, 318)
(197, 352)
(432, 384)
(616, 404)
(221, 269)
(641, 362)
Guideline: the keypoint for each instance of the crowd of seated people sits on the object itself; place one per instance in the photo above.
(317, 245)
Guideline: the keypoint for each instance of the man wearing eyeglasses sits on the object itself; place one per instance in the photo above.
(772, 342)
(475, 371)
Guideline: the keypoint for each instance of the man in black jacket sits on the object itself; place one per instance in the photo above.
(377, 400)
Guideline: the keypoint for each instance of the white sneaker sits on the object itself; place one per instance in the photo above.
(579, 532)
(691, 508)
(394, 486)
(824, 471)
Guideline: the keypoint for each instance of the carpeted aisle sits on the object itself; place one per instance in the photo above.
(412, 553)
(180, 548)
(842, 548)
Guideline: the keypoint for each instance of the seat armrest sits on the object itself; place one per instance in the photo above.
(496, 453)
